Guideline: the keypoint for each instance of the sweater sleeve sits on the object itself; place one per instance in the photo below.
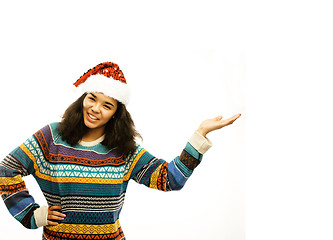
(17, 164)
(167, 176)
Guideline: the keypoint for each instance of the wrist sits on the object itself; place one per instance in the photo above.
(202, 131)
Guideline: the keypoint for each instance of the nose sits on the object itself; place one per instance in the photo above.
(95, 108)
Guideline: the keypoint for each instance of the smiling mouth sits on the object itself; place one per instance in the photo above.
(92, 117)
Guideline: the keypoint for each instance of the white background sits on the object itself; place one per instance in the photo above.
(268, 176)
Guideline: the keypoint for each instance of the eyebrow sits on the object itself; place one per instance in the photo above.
(93, 95)
(105, 102)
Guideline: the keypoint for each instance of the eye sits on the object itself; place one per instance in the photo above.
(91, 98)
(107, 107)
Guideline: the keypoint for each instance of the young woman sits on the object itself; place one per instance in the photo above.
(84, 163)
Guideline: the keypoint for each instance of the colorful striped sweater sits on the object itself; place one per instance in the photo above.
(88, 182)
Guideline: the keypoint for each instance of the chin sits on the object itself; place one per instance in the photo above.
(89, 124)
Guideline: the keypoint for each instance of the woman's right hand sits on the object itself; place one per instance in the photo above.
(53, 215)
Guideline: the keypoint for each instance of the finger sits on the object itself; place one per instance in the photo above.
(57, 213)
(56, 216)
(231, 120)
(234, 118)
(54, 211)
(218, 118)
(50, 223)
(55, 208)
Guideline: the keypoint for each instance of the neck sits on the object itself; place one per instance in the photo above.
(93, 134)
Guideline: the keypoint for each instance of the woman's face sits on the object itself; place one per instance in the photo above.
(98, 109)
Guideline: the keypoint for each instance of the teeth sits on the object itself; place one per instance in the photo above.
(92, 117)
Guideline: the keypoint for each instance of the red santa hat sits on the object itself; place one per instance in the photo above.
(105, 78)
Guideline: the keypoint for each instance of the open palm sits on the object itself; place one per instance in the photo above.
(216, 123)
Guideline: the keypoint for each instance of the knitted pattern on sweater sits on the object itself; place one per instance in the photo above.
(89, 183)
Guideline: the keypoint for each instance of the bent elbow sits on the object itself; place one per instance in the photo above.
(176, 184)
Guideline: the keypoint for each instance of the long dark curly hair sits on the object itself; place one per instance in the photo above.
(120, 131)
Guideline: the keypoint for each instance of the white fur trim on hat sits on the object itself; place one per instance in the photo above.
(108, 86)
